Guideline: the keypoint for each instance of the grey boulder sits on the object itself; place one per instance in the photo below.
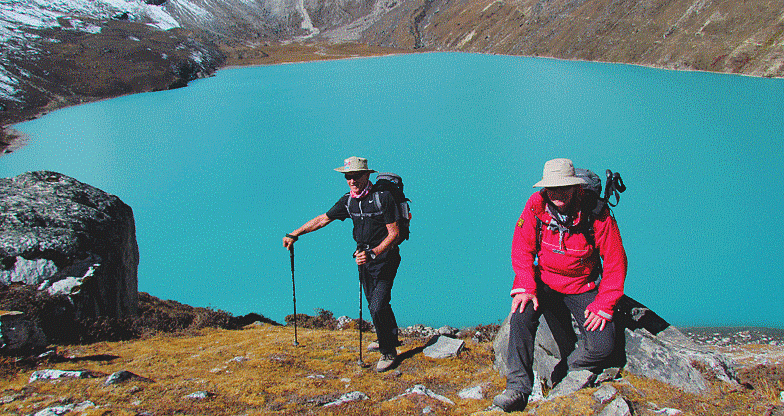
(69, 238)
(646, 345)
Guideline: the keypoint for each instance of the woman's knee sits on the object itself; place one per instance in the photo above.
(599, 346)
(527, 319)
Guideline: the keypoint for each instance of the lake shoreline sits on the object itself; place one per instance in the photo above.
(287, 53)
(246, 56)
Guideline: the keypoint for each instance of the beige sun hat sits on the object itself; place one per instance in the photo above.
(558, 172)
(355, 164)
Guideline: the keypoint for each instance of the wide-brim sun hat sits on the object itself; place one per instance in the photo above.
(354, 164)
(558, 172)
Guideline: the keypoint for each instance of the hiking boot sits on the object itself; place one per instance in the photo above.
(386, 362)
(511, 400)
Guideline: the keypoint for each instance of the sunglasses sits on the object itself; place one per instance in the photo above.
(353, 176)
(559, 188)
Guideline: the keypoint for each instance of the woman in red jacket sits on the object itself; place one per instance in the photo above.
(558, 251)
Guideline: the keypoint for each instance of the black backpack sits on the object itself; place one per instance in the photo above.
(393, 184)
(593, 202)
(596, 203)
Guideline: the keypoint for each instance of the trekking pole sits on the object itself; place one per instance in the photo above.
(360, 362)
(294, 293)
(359, 324)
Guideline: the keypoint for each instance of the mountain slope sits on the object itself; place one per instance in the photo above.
(732, 36)
(59, 53)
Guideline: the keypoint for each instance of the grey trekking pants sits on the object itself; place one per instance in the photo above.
(557, 308)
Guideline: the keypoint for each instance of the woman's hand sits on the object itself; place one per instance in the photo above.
(519, 300)
(594, 321)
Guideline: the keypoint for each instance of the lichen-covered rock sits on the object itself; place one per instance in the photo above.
(123, 376)
(353, 396)
(574, 380)
(52, 374)
(67, 408)
(617, 407)
(475, 393)
(69, 238)
(605, 393)
(673, 358)
(442, 346)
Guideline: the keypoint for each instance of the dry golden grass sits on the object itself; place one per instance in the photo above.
(272, 376)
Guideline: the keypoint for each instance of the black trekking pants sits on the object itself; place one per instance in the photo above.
(598, 345)
(377, 277)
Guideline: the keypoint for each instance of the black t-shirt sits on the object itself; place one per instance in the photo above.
(370, 224)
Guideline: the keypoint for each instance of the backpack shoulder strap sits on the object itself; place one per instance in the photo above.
(590, 234)
(539, 225)
(348, 205)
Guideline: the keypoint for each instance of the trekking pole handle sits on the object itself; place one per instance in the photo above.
(608, 188)
(293, 237)
(619, 182)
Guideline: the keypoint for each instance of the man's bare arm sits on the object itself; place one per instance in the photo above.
(317, 223)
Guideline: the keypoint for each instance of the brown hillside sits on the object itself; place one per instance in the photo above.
(733, 36)
(258, 371)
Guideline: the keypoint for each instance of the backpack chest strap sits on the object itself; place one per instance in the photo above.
(376, 200)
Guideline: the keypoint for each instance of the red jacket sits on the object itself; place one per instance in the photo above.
(566, 262)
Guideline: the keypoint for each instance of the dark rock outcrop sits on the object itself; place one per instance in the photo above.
(18, 334)
(646, 345)
(69, 239)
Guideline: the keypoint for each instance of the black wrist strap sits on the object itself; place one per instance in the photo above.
(293, 237)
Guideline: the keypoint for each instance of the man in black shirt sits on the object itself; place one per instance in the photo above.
(375, 215)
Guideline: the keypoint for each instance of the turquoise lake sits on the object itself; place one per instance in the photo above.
(218, 172)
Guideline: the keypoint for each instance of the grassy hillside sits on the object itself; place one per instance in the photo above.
(257, 370)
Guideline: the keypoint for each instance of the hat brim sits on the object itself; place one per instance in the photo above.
(554, 182)
(344, 170)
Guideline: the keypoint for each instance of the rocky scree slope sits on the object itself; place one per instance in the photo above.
(731, 36)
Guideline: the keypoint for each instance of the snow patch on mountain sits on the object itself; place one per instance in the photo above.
(190, 9)
(8, 85)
